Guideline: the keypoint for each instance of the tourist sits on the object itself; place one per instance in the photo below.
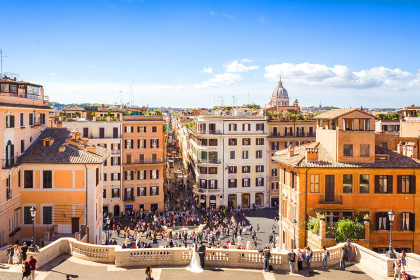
(16, 254)
(32, 264)
(325, 254)
(349, 250)
(9, 253)
(300, 260)
(292, 261)
(403, 257)
(26, 271)
(343, 258)
(24, 250)
(397, 269)
(308, 256)
(405, 276)
(149, 273)
(267, 255)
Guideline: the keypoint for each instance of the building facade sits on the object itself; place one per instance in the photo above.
(343, 175)
(23, 116)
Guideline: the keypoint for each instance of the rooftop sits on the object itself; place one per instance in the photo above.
(326, 160)
(336, 113)
(64, 149)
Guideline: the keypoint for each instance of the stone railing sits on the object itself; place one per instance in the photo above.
(92, 252)
(413, 261)
(377, 262)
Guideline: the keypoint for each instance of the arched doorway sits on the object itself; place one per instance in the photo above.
(116, 211)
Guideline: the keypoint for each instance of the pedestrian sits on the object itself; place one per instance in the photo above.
(397, 269)
(403, 258)
(9, 253)
(24, 249)
(308, 256)
(405, 276)
(349, 250)
(16, 254)
(149, 273)
(266, 255)
(26, 271)
(32, 263)
(300, 259)
(325, 255)
(292, 261)
(343, 258)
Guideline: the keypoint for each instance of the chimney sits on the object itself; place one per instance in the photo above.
(91, 149)
(291, 151)
(62, 148)
(312, 155)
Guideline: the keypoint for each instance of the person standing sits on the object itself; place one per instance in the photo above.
(266, 255)
(26, 271)
(292, 261)
(24, 250)
(308, 256)
(16, 254)
(32, 264)
(403, 258)
(300, 259)
(202, 254)
(149, 273)
(397, 269)
(343, 258)
(324, 257)
(9, 253)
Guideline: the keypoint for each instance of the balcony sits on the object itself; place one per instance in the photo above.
(214, 161)
(291, 135)
(336, 199)
(206, 131)
(128, 198)
(144, 162)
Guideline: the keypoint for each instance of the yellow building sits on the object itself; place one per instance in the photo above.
(61, 175)
(342, 175)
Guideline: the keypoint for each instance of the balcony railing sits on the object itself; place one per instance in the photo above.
(336, 199)
(206, 131)
(208, 161)
(303, 134)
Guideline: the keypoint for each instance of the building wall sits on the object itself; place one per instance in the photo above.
(410, 127)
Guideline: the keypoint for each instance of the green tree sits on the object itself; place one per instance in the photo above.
(347, 229)
(158, 112)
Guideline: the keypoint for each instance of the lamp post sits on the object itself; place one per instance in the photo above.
(390, 253)
(108, 221)
(294, 222)
(33, 214)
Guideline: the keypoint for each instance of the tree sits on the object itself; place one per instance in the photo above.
(347, 229)
(269, 115)
(158, 112)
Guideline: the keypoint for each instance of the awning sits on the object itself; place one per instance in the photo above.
(213, 201)
(202, 200)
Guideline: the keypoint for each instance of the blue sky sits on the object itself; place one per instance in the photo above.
(184, 53)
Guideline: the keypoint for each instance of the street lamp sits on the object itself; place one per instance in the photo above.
(390, 253)
(108, 221)
(294, 222)
(33, 214)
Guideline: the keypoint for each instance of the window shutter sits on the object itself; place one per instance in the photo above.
(112, 161)
(106, 162)
(376, 183)
(157, 173)
(399, 184)
(157, 143)
(138, 191)
(138, 143)
(377, 220)
(119, 147)
(125, 193)
(151, 174)
(256, 181)
(401, 221)
(387, 221)
(262, 181)
(390, 183)
(104, 176)
(125, 144)
(12, 121)
(138, 130)
(412, 184)
(412, 222)
(125, 129)
(243, 182)
(125, 175)
(119, 176)
(119, 161)
(157, 190)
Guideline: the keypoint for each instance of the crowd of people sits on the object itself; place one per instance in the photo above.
(18, 256)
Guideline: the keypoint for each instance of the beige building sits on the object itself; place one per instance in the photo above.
(409, 121)
(23, 116)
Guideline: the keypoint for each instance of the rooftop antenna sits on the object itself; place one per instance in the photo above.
(1, 63)
(121, 99)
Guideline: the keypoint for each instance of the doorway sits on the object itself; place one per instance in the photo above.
(74, 225)
(116, 211)
(329, 188)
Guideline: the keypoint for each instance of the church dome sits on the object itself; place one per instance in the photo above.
(280, 91)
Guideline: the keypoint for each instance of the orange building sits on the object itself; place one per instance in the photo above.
(23, 115)
(143, 161)
(61, 175)
(342, 175)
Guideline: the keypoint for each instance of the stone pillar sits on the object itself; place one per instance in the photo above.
(367, 232)
(322, 229)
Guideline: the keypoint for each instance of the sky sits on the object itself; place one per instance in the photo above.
(205, 53)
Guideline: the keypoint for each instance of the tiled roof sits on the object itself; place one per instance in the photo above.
(38, 153)
(2, 104)
(335, 113)
(325, 160)
(73, 108)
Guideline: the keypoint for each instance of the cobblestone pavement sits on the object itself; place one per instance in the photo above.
(84, 270)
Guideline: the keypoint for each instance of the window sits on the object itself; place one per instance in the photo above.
(22, 146)
(203, 142)
(28, 179)
(128, 129)
(232, 183)
(154, 174)
(246, 127)
(154, 190)
(212, 184)
(259, 182)
(383, 145)
(115, 176)
(97, 176)
(383, 183)
(245, 154)
(115, 161)
(364, 183)
(141, 191)
(347, 183)
(274, 172)
(259, 168)
(348, 124)
(47, 215)
(246, 141)
(275, 146)
(233, 127)
(363, 124)
(141, 143)
(348, 150)
(47, 179)
(141, 129)
(22, 121)
(258, 154)
(364, 150)
(154, 143)
(406, 184)
(115, 192)
(407, 221)
(212, 142)
(101, 132)
(154, 128)
(10, 121)
(232, 169)
(128, 159)
(233, 141)
(203, 184)
(31, 119)
(42, 118)
(27, 218)
(129, 144)
(259, 141)
(212, 170)
(246, 169)
(213, 156)
(203, 170)
(8, 188)
(245, 182)
(141, 174)
(232, 154)
(260, 127)
(314, 183)
(128, 175)
(104, 193)
(274, 185)
(141, 158)
(382, 221)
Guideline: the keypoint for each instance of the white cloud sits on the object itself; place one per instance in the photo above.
(212, 13)
(208, 70)
(53, 74)
(220, 79)
(341, 76)
(236, 66)
(228, 16)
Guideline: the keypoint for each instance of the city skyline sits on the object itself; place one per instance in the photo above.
(183, 54)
